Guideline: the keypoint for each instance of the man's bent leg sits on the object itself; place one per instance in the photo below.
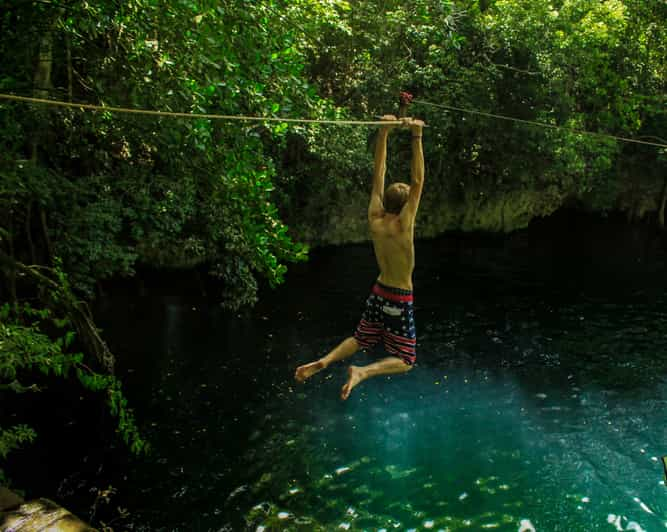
(345, 349)
(386, 366)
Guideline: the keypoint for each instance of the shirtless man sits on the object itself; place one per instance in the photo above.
(388, 315)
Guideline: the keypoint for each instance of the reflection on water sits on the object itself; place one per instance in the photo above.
(538, 403)
(463, 449)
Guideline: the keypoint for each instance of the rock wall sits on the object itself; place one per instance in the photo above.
(475, 211)
(342, 220)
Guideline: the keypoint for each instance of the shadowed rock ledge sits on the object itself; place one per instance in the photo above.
(35, 516)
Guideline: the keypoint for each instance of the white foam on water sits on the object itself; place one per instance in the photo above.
(635, 526)
(615, 520)
(463, 496)
(646, 508)
(585, 499)
(283, 515)
(643, 506)
(344, 526)
(342, 470)
(428, 524)
(526, 526)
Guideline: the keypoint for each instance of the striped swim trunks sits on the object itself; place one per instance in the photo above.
(389, 316)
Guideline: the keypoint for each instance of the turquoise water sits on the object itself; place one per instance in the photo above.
(539, 401)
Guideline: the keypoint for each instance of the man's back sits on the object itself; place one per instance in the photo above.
(391, 214)
(393, 241)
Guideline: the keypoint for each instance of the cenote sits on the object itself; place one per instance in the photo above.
(539, 400)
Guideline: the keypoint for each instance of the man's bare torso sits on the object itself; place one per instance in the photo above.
(393, 241)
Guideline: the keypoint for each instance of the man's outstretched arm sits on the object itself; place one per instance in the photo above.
(376, 207)
(409, 211)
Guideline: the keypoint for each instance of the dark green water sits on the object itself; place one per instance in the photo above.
(539, 399)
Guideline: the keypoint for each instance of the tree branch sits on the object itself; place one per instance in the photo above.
(17, 387)
(60, 298)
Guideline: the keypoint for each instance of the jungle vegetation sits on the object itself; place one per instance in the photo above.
(91, 196)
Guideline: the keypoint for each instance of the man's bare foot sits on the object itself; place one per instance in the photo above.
(308, 370)
(354, 377)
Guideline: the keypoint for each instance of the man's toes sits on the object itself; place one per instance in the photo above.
(345, 392)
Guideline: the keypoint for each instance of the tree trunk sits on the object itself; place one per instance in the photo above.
(45, 231)
(42, 78)
(69, 69)
(28, 232)
(11, 273)
(42, 83)
(663, 201)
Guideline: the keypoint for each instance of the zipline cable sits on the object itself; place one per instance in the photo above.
(210, 116)
(540, 124)
(173, 114)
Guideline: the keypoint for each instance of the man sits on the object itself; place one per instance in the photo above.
(388, 315)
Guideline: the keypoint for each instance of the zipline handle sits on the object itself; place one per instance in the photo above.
(404, 99)
(402, 126)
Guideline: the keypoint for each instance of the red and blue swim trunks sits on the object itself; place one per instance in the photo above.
(389, 317)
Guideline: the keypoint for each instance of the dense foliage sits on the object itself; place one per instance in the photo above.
(104, 192)
(116, 189)
(589, 65)
(101, 192)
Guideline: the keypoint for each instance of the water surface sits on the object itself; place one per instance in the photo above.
(539, 399)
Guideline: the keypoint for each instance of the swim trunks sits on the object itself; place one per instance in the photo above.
(389, 316)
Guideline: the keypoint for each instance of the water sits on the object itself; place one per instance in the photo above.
(539, 400)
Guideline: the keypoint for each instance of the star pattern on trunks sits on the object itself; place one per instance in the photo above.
(391, 322)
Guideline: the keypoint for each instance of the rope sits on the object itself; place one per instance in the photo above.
(540, 124)
(58, 103)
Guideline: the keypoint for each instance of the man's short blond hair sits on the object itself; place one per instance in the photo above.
(395, 197)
